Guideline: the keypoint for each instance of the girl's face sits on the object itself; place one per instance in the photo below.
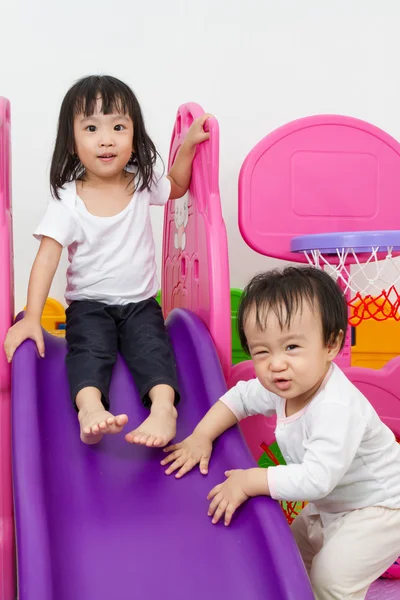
(103, 143)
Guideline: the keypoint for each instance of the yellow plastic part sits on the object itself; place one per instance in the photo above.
(376, 342)
(53, 315)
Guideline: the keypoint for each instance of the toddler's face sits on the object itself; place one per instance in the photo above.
(290, 362)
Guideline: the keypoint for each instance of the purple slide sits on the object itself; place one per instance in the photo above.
(104, 522)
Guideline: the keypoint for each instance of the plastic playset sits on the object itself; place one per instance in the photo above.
(320, 189)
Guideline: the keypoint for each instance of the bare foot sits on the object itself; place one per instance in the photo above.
(157, 430)
(95, 423)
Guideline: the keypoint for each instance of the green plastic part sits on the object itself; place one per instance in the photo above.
(238, 354)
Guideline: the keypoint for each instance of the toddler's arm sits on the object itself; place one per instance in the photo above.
(246, 398)
(197, 448)
(334, 435)
(42, 274)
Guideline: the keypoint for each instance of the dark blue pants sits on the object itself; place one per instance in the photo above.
(95, 333)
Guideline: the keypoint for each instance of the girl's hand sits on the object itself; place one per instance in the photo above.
(195, 449)
(238, 487)
(196, 134)
(27, 328)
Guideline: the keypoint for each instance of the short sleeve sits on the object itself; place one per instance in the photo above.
(58, 223)
(160, 191)
(248, 398)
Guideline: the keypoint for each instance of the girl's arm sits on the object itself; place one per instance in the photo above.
(181, 171)
(42, 274)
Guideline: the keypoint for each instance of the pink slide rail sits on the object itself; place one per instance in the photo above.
(7, 546)
(195, 262)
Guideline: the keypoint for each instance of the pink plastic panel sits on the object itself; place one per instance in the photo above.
(256, 430)
(316, 175)
(382, 388)
(7, 574)
(195, 253)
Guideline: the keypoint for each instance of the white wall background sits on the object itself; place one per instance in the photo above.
(255, 64)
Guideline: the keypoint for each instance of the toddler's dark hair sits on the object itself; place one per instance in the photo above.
(285, 291)
(81, 99)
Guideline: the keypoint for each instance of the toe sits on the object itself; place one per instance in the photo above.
(136, 436)
(121, 420)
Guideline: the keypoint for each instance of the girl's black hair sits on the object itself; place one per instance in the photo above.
(81, 99)
(285, 291)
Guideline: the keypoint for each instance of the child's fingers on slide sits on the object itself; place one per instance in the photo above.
(171, 457)
(215, 503)
(222, 506)
(204, 464)
(11, 348)
(7, 347)
(7, 350)
(188, 466)
(40, 344)
(172, 448)
(229, 514)
(214, 491)
(177, 464)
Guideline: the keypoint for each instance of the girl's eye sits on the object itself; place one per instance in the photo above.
(261, 353)
(119, 128)
(292, 347)
(91, 128)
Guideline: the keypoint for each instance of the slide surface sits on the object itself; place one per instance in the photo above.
(104, 522)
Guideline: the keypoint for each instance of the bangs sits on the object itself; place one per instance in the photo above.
(284, 303)
(115, 98)
(285, 293)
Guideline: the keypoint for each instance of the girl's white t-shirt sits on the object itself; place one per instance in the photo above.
(111, 259)
(339, 455)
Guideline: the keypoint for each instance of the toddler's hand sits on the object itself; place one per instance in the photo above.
(27, 328)
(228, 496)
(195, 449)
(197, 134)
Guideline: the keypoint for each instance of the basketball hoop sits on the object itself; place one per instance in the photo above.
(370, 285)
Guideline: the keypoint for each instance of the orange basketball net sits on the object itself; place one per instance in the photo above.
(380, 308)
(370, 284)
